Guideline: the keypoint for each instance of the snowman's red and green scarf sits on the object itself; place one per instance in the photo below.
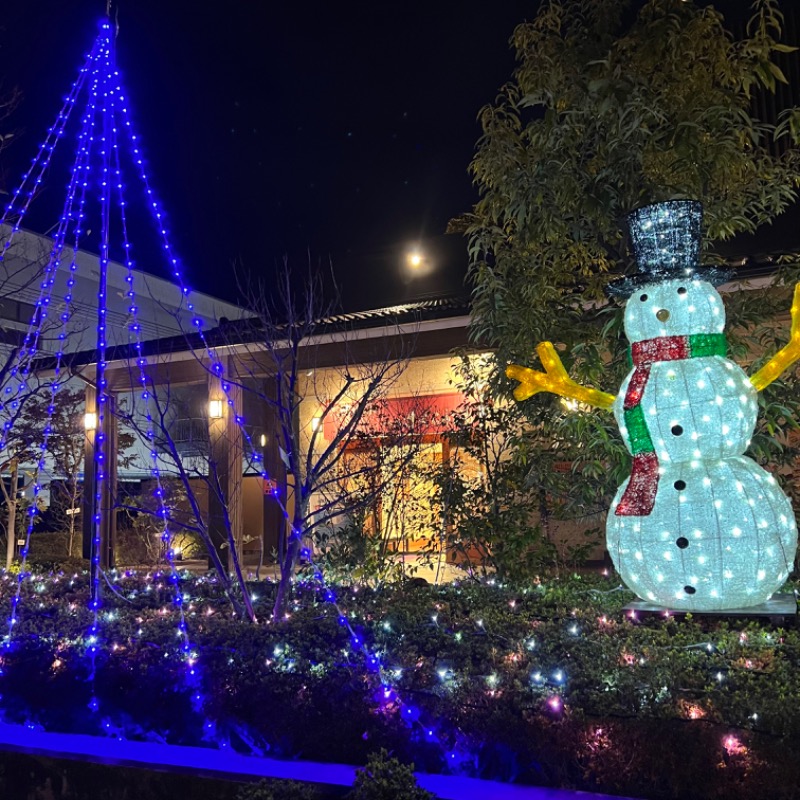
(640, 495)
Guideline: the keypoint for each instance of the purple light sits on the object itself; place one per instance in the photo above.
(555, 704)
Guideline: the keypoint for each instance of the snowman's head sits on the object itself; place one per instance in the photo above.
(675, 307)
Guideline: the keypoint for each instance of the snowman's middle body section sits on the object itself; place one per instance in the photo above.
(721, 533)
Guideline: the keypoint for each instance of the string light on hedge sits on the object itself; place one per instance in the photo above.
(550, 682)
(555, 703)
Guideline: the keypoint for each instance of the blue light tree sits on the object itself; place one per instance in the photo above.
(107, 149)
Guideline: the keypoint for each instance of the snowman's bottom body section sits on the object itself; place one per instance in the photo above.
(722, 534)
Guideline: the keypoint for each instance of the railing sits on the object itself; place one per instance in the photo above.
(190, 436)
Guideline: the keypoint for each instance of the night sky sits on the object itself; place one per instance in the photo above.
(333, 134)
(315, 130)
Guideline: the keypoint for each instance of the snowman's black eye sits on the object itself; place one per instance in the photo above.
(682, 290)
(643, 298)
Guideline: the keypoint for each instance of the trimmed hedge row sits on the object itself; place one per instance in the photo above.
(550, 683)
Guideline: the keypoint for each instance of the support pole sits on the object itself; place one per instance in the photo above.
(107, 525)
(88, 502)
(274, 523)
(108, 510)
(225, 497)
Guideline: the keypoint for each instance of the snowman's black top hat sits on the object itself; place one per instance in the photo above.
(665, 238)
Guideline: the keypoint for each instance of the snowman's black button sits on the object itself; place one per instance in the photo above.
(643, 298)
(682, 290)
(689, 589)
(680, 485)
(682, 542)
(677, 430)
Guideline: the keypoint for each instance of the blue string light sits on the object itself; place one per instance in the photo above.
(386, 692)
(19, 373)
(188, 652)
(99, 124)
(106, 94)
(102, 96)
(76, 182)
(45, 154)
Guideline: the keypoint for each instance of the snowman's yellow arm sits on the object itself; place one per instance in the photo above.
(554, 379)
(787, 355)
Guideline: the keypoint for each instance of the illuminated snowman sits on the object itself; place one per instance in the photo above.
(698, 526)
